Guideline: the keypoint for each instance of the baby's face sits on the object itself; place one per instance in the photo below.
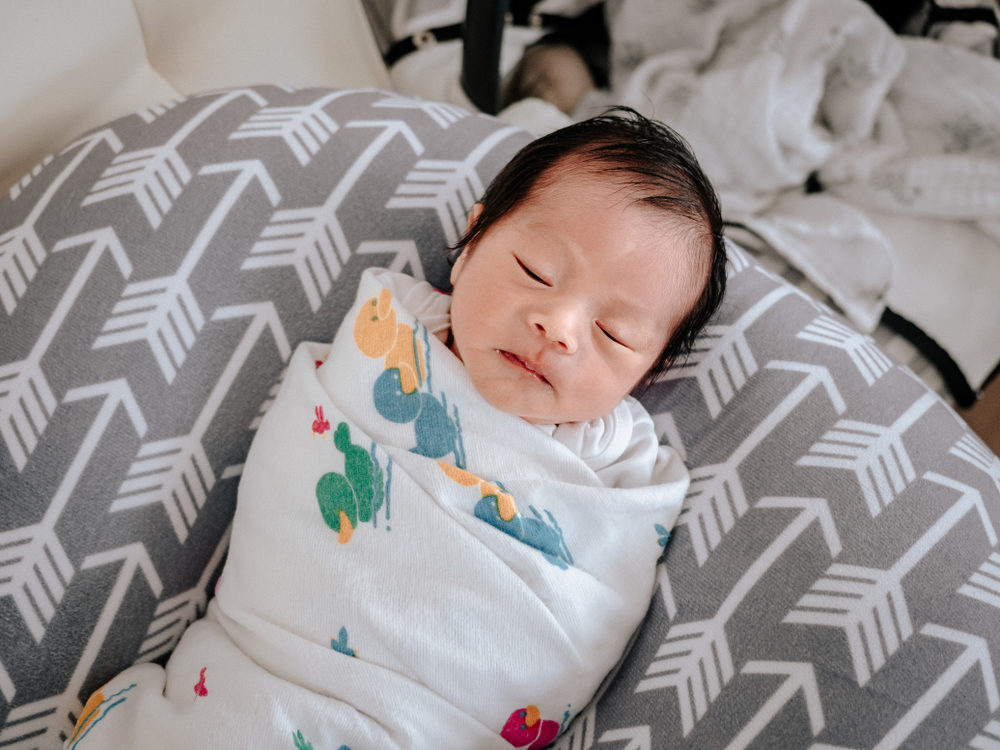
(564, 304)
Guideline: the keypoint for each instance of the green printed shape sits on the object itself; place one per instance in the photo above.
(357, 494)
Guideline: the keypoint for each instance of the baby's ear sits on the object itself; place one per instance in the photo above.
(474, 214)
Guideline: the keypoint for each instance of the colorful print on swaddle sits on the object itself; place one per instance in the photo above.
(497, 508)
(301, 743)
(98, 706)
(525, 728)
(357, 495)
(402, 392)
(340, 644)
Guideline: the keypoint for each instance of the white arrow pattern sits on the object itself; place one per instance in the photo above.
(21, 249)
(173, 615)
(988, 738)
(405, 258)
(311, 240)
(974, 451)
(304, 129)
(442, 114)
(695, 659)
(799, 676)
(163, 312)
(871, 362)
(975, 654)
(669, 433)
(737, 261)
(151, 113)
(21, 185)
(635, 738)
(36, 569)
(984, 584)
(448, 186)
(869, 604)
(874, 453)
(48, 721)
(580, 734)
(176, 472)
(26, 399)
(721, 360)
(155, 176)
(716, 498)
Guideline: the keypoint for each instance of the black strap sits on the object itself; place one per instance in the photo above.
(423, 39)
(420, 40)
(947, 14)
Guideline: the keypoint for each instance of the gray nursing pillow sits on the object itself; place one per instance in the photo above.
(834, 579)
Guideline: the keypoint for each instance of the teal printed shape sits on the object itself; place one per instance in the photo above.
(340, 644)
(544, 535)
(437, 429)
(663, 533)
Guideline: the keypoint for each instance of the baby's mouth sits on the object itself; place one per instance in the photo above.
(529, 368)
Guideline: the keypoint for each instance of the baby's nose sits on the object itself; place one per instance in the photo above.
(559, 330)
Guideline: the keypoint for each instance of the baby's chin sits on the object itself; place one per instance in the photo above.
(538, 420)
(535, 418)
(532, 417)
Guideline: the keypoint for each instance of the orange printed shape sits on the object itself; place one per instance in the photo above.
(378, 334)
(346, 530)
(406, 356)
(505, 503)
(375, 326)
(88, 714)
(459, 476)
(532, 715)
(506, 506)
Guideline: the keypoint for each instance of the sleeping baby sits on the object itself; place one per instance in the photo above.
(449, 520)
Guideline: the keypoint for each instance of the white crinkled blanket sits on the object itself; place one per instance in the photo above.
(768, 91)
(901, 133)
(409, 568)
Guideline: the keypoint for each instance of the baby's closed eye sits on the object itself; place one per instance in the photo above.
(530, 273)
(611, 335)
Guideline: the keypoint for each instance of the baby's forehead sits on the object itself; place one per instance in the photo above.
(666, 217)
(575, 172)
(623, 184)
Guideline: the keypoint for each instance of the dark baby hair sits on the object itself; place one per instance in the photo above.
(657, 165)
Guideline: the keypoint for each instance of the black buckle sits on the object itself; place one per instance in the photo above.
(421, 40)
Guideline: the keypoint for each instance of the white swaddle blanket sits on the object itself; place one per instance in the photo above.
(409, 568)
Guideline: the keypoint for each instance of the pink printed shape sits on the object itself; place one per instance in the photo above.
(199, 689)
(525, 728)
(320, 425)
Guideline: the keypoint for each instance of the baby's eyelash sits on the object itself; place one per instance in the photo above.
(531, 274)
(611, 336)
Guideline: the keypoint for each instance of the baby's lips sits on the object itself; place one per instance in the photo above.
(528, 364)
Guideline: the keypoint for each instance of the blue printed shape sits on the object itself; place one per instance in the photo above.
(437, 433)
(547, 538)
